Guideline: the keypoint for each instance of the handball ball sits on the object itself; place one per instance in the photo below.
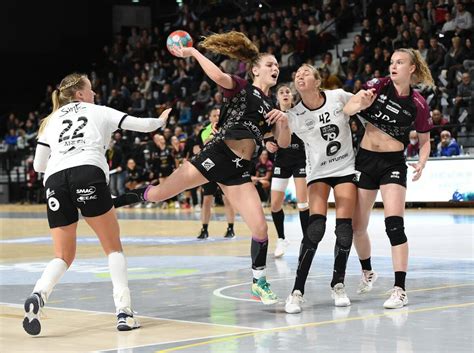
(177, 37)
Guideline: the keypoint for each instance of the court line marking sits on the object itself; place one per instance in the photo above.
(313, 324)
(218, 292)
(21, 306)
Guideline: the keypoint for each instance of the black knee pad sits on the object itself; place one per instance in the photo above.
(344, 232)
(395, 230)
(316, 228)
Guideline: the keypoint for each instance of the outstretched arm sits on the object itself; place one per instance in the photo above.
(360, 101)
(212, 71)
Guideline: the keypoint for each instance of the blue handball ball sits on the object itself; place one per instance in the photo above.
(177, 37)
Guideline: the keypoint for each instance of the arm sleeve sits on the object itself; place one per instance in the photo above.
(119, 120)
(423, 120)
(377, 83)
(239, 83)
(41, 157)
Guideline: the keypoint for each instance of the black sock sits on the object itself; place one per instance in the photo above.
(230, 226)
(278, 220)
(342, 249)
(366, 265)
(304, 218)
(307, 252)
(204, 226)
(400, 279)
(258, 251)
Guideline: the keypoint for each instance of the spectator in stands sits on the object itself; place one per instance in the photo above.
(453, 60)
(115, 160)
(435, 56)
(413, 148)
(464, 97)
(263, 175)
(135, 175)
(334, 66)
(448, 146)
(463, 20)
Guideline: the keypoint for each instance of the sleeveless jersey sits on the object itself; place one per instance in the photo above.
(78, 133)
(293, 154)
(326, 135)
(243, 113)
(396, 115)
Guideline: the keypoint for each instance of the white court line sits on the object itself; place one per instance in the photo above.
(143, 316)
(218, 292)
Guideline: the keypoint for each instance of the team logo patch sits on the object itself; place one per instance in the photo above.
(309, 124)
(49, 193)
(53, 204)
(329, 132)
(277, 170)
(86, 194)
(395, 175)
(356, 177)
(208, 164)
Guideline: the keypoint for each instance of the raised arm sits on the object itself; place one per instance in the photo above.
(144, 124)
(212, 70)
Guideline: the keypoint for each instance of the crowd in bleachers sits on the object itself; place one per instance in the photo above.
(136, 74)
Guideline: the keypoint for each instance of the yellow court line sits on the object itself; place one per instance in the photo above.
(314, 324)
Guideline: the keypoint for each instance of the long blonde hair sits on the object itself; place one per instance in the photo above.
(422, 72)
(235, 45)
(64, 94)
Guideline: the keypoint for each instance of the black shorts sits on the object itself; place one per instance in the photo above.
(166, 172)
(295, 170)
(333, 181)
(218, 163)
(82, 187)
(209, 188)
(380, 168)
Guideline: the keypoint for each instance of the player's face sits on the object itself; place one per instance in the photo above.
(401, 67)
(86, 94)
(214, 116)
(284, 97)
(267, 70)
(305, 80)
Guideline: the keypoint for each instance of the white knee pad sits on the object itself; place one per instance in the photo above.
(279, 184)
(302, 206)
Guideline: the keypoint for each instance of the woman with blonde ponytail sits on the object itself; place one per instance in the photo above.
(71, 152)
(246, 117)
(391, 108)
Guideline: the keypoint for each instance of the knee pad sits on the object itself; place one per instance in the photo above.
(395, 230)
(344, 232)
(279, 184)
(316, 228)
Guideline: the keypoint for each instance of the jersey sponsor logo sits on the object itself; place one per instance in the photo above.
(254, 129)
(208, 164)
(53, 204)
(384, 117)
(237, 161)
(332, 148)
(246, 174)
(86, 194)
(392, 109)
(329, 132)
(256, 93)
(277, 171)
(373, 82)
(407, 113)
(382, 98)
(49, 193)
(75, 108)
(310, 124)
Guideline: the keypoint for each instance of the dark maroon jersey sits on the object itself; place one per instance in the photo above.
(396, 115)
(244, 112)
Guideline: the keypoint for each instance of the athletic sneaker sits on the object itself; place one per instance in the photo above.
(33, 305)
(338, 293)
(367, 281)
(126, 321)
(229, 234)
(398, 299)
(261, 291)
(203, 235)
(280, 249)
(293, 302)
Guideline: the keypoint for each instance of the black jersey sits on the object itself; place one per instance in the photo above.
(396, 115)
(293, 154)
(244, 112)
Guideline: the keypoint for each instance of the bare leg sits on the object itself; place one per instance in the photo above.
(364, 204)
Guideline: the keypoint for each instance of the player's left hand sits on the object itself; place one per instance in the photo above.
(418, 170)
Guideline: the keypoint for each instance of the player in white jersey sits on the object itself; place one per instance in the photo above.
(319, 121)
(71, 152)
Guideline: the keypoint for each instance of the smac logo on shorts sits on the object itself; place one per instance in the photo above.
(86, 194)
(208, 164)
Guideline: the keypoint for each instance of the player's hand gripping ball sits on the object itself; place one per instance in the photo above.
(177, 37)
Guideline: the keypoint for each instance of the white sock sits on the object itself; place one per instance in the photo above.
(259, 273)
(51, 275)
(118, 274)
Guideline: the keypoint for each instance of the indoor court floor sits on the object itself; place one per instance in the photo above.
(194, 296)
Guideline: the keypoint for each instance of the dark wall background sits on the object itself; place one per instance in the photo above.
(41, 41)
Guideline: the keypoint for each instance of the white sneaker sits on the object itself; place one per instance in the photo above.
(398, 299)
(338, 293)
(367, 281)
(293, 302)
(282, 244)
(126, 321)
